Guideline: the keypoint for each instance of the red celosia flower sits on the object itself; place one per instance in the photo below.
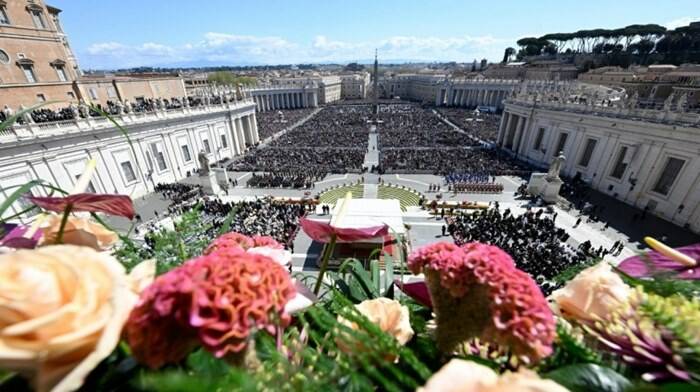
(477, 292)
(230, 240)
(215, 300)
(120, 205)
(266, 241)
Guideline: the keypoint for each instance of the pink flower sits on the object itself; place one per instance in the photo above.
(215, 301)
(119, 205)
(266, 241)
(230, 240)
(477, 292)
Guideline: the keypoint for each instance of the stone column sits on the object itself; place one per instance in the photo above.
(237, 144)
(505, 119)
(248, 126)
(256, 135)
(510, 142)
(520, 133)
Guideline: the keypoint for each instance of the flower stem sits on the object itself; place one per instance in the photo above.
(64, 220)
(324, 263)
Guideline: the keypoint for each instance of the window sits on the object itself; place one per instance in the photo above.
(111, 92)
(3, 16)
(40, 98)
(61, 72)
(668, 175)
(562, 143)
(207, 148)
(224, 142)
(587, 152)
(70, 95)
(28, 71)
(160, 158)
(4, 58)
(186, 153)
(128, 171)
(538, 139)
(38, 18)
(620, 164)
(93, 92)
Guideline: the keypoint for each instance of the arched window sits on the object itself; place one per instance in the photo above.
(4, 57)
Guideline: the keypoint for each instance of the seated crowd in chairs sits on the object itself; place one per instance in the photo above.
(295, 179)
(472, 183)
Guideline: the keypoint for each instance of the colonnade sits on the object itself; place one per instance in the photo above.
(473, 96)
(512, 132)
(273, 99)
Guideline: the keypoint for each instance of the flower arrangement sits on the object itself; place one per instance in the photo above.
(82, 308)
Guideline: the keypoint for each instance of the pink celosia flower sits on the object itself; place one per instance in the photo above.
(266, 241)
(215, 300)
(477, 292)
(230, 240)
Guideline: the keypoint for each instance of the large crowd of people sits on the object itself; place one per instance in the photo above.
(273, 122)
(334, 140)
(292, 179)
(409, 125)
(262, 216)
(301, 160)
(448, 160)
(536, 244)
(113, 107)
(335, 126)
(481, 125)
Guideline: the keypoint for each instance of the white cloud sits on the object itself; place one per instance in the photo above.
(228, 49)
(684, 21)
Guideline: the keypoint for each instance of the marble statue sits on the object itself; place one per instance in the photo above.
(74, 110)
(127, 106)
(120, 107)
(8, 112)
(682, 102)
(83, 109)
(203, 164)
(26, 116)
(555, 166)
(632, 101)
(669, 102)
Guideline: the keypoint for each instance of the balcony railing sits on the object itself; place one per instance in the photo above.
(648, 112)
(28, 131)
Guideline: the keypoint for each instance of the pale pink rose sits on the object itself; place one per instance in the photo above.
(281, 256)
(592, 294)
(459, 375)
(62, 309)
(78, 231)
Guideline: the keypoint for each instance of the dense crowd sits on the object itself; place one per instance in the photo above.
(113, 107)
(536, 244)
(334, 140)
(292, 179)
(335, 126)
(260, 217)
(481, 125)
(409, 125)
(443, 161)
(272, 122)
(305, 161)
(179, 193)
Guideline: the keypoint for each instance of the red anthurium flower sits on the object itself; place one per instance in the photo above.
(120, 205)
(322, 231)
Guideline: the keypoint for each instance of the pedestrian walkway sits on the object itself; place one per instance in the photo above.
(371, 191)
(372, 155)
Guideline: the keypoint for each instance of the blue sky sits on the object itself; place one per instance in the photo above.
(127, 33)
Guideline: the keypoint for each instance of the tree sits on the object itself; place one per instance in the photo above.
(509, 52)
(230, 79)
(354, 67)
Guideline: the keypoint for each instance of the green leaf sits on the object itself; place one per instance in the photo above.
(589, 378)
(206, 365)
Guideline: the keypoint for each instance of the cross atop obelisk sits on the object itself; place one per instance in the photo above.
(376, 87)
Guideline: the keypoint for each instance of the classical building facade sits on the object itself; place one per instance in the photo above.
(36, 62)
(284, 97)
(354, 86)
(329, 86)
(644, 157)
(166, 148)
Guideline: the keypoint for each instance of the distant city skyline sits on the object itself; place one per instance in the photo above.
(132, 33)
